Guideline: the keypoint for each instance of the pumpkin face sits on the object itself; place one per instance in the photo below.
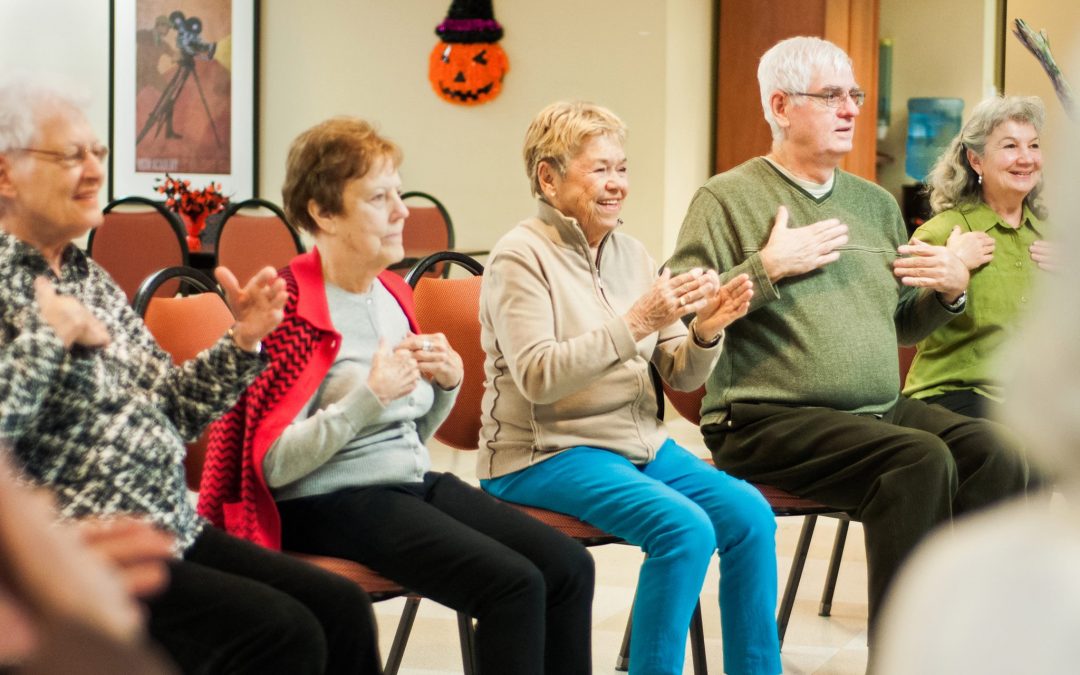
(467, 73)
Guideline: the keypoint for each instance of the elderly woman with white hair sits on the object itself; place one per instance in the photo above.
(574, 318)
(985, 191)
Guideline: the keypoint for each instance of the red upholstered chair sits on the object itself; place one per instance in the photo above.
(184, 326)
(452, 306)
(138, 237)
(254, 233)
(428, 229)
(907, 355)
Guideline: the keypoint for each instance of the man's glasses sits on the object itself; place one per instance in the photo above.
(834, 98)
(73, 157)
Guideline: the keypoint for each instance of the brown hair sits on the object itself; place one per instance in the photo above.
(324, 158)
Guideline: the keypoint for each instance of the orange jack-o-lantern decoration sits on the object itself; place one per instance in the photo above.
(467, 74)
(467, 67)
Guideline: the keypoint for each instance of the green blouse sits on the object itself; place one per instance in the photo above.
(959, 355)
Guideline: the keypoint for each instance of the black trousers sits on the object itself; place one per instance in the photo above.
(900, 475)
(966, 402)
(234, 607)
(529, 587)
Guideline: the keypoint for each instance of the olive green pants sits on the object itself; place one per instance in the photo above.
(901, 475)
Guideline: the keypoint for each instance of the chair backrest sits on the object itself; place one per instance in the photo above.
(687, 403)
(428, 229)
(138, 237)
(254, 233)
(907, 355)
(451, 306)
(185, 326)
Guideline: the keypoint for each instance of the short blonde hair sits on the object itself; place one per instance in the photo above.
(558, 132)
(324, 158)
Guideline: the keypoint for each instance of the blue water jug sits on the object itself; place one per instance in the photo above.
(932, 123)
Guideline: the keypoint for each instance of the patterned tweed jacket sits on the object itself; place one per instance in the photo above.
(233, 493)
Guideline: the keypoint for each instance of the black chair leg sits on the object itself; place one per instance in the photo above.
(622, 662)
(401, 636)
(697, 642)
(467, 635)
(797, 564)
(834, 568)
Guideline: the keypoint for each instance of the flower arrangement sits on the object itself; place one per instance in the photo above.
(193, 205)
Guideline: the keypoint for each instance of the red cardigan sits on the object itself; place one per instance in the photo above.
(233, 493)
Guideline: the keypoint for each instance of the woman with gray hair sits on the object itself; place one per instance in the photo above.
(574, 318)
(985, 191)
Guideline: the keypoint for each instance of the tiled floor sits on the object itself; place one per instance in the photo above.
(835, 645)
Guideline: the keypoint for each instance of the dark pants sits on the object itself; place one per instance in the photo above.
(901, 475)
(966, 402)
(234, 607)
(529, 587)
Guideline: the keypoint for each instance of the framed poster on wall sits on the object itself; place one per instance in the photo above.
(183, 95)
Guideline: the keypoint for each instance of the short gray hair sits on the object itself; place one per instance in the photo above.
(20, 101)
(790, 65)
(952, 182)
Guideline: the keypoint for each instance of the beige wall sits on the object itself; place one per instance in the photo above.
(649, 61)
(689, 109)
(939, 49)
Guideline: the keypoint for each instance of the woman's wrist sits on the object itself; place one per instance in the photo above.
(245, 344)
(699, 340)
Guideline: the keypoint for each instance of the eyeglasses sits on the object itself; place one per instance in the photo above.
(834, 98)
(73, 157)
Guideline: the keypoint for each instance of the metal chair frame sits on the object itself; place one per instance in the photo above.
(410, 262)
(171, 217)
(450, 243)
(257, 202)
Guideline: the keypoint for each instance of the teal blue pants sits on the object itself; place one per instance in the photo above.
(679, 510)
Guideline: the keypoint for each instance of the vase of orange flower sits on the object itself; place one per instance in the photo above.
(193, 205)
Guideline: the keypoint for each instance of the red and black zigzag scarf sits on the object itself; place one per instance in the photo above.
(229, 472)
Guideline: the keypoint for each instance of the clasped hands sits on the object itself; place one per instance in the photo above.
(395, 372)
(694, 292)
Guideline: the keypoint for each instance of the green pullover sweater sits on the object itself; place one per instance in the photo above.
(826, 338)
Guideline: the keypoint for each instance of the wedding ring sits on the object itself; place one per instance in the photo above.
(682, 301)
(426, 345)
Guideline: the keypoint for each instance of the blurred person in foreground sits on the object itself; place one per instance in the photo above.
(95, 410)
(68, 591)
(985, 191)
(325, 453)
(574, 319)
(999, 594)
(808, 398)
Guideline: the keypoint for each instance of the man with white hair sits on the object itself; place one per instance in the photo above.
(807, 396)
(95, 410)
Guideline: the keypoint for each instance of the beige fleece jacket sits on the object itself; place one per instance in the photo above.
(562, 368)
